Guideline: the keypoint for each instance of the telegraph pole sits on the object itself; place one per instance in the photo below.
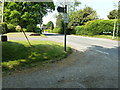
(2, 10)
(114, 27)
(118, 14)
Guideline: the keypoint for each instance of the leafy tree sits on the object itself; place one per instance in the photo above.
(50, 25)
(112, 14)
(73, 6)
(60, 23)
(26, 14)
(82, 16)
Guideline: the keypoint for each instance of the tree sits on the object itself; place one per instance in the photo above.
(26, 14)
(112, 14)
(73, 6)
(60, 23)
(81, 17)
(50, 25)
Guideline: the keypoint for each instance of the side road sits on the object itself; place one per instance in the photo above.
(93, 64)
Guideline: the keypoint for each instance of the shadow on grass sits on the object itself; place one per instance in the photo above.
(17, 55)
(13, 51)
(92, 66)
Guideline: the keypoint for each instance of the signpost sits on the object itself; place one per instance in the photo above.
(64, 10)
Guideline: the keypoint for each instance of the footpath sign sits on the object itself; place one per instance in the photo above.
(65, 18)
(64, 11)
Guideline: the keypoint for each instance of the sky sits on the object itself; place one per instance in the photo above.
(102, 7)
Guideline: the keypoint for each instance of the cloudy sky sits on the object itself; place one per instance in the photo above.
(103, 7)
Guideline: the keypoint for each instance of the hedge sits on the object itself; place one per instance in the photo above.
(56, 30)
(95, 27)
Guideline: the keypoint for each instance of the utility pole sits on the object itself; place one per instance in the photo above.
(118, 25)
(114, 27)
(2, 10)
(115, 20)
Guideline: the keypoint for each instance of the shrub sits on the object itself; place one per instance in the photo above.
(51, 31)
(80, 30)
(11, 28)
(4, 28)
(56, 30)
(70, 31)
(95, 27)
(38, 30)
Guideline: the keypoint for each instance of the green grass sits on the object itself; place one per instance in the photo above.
(18, 54)
(102, 36)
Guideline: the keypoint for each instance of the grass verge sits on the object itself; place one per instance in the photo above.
(18, 55)
(102, 36)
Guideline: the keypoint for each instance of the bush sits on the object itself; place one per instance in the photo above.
(96, 27)
(56, 30)
(11, 28)
(4, 28)
(51, 31)
(38, 30)
(70, 31)
(80, 30)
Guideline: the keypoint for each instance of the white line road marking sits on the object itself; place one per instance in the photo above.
(102, 52)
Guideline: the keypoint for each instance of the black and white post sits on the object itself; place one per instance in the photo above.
(64, 11)
(65, 26)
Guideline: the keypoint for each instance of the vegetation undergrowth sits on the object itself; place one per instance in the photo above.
(17, 55)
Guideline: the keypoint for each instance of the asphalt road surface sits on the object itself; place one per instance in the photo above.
(93, 64)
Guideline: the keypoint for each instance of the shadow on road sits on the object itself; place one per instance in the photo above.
(100, 65)
(35, 34)
(91, 68)
(53, 34)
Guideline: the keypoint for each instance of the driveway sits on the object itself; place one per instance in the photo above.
(93, 64)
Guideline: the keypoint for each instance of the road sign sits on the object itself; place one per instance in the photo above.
(65, 18)
(64, 10)
(60, 9)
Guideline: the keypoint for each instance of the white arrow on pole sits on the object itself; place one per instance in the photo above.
(65, 18)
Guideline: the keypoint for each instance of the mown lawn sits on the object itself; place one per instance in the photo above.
(18, 54)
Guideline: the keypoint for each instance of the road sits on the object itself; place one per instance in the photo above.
(94, 64)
